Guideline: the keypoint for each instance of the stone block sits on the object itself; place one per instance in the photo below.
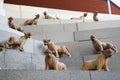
(99, 33)
(95, 75)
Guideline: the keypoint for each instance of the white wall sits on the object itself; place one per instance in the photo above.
(20, 11)
(2, 12)
(12, 10)
(1, 4)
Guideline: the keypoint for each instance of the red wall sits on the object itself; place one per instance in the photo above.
(75, 5)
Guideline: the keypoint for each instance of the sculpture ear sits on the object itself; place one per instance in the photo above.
(49, 40)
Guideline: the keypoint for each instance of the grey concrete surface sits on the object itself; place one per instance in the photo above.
(70, 21)
(105, 75)
(84, 75)
(14, 59)
(98, 25)
(73, 63)
(78, 48)
(99, 33)
(2, 74)
(29, 46)
(61, 37)
(42, 29)
(71, 27)
(2, 59)
(17, 60)
(57, 75)
(45, 21)
(55, 32)
(19, 66)
(14, 56)
(43, 75)
(39, 47)
(38, 61)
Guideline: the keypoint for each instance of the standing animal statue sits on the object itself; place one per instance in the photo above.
(51, 62)
(95, 18)
(100, 63)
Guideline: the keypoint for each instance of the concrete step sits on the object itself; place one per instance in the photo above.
(98, 25)
(43, 75)
(105, 75)
(20, 21)
(57, 75)
(55, 32)
(13, 59)
(99, 33)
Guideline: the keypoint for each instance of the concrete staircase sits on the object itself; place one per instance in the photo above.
(53, 30)
(29, 65)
